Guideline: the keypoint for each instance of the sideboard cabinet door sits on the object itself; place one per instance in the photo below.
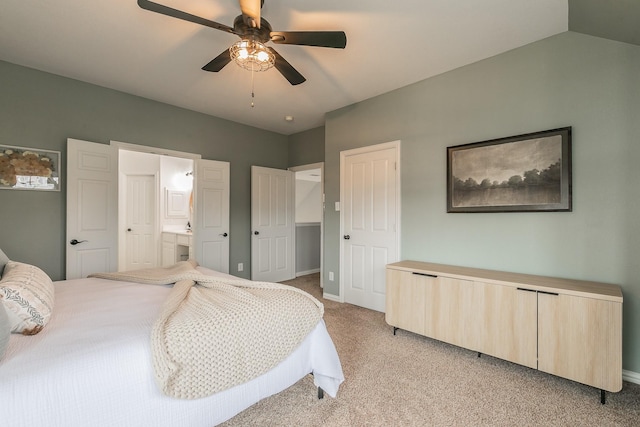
(452, 312)
(406, 300)
(581, 339)
(509, 324)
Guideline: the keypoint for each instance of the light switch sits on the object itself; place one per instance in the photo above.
(337, 206)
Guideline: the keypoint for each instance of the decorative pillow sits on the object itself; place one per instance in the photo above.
(3, 260)
(27, 295)
(5, 330)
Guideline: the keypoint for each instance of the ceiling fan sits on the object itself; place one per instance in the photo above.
(254, 32)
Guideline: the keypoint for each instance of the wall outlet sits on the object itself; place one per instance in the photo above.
(240, 266)
(331, 276)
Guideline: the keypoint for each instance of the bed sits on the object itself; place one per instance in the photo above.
(91, 365)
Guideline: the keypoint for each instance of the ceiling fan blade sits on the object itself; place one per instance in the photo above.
(251, 12)
(218, 63)
(175, 13)
(335, 39)
(287, 70)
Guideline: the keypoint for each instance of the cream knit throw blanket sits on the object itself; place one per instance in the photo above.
(214, 333)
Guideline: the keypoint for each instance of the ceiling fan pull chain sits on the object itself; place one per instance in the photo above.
(252, 87)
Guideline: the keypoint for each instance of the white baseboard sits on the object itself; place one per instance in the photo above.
(304, 273)
(630, 376)
(331, 297)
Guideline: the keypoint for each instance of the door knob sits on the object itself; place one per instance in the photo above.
(223, 234)
(128, 229)
(256, 232)
(75, 242)
(347, 237)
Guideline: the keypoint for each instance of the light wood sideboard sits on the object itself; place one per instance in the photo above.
(568, 328)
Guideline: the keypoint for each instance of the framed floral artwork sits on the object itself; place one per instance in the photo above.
(29, 169)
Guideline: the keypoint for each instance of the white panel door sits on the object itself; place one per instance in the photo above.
(272, 224)
(211, 216)
(141, 241)
(92, 208)
(370, 223)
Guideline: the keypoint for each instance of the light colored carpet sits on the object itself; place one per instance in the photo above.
(409, 380)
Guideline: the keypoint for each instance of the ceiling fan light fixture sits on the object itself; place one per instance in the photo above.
(252, 55)
(250, 52)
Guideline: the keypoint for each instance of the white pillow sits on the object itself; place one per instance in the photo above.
(27, 295)
(3, 260)
(5, 330)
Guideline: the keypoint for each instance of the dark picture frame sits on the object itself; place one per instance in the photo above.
(522, 173)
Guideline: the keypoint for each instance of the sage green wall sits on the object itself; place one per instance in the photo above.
(571, 79)
(306, 147)
(42, 110)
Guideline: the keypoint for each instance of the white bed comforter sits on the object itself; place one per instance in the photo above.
(243, 328)
(91, 365)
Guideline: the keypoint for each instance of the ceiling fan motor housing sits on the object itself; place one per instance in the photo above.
(262, 34)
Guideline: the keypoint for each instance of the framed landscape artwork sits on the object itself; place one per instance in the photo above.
(523, 173)
(29, 169)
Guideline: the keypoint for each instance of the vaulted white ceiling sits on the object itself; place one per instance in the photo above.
(390, 44)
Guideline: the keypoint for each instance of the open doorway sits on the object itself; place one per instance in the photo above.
(309, 212)
(155, 214)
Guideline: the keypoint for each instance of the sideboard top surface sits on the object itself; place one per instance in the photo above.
(582, 288)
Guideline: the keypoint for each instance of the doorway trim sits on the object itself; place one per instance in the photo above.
(153, 150)
(319, 165)
(363, 150)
